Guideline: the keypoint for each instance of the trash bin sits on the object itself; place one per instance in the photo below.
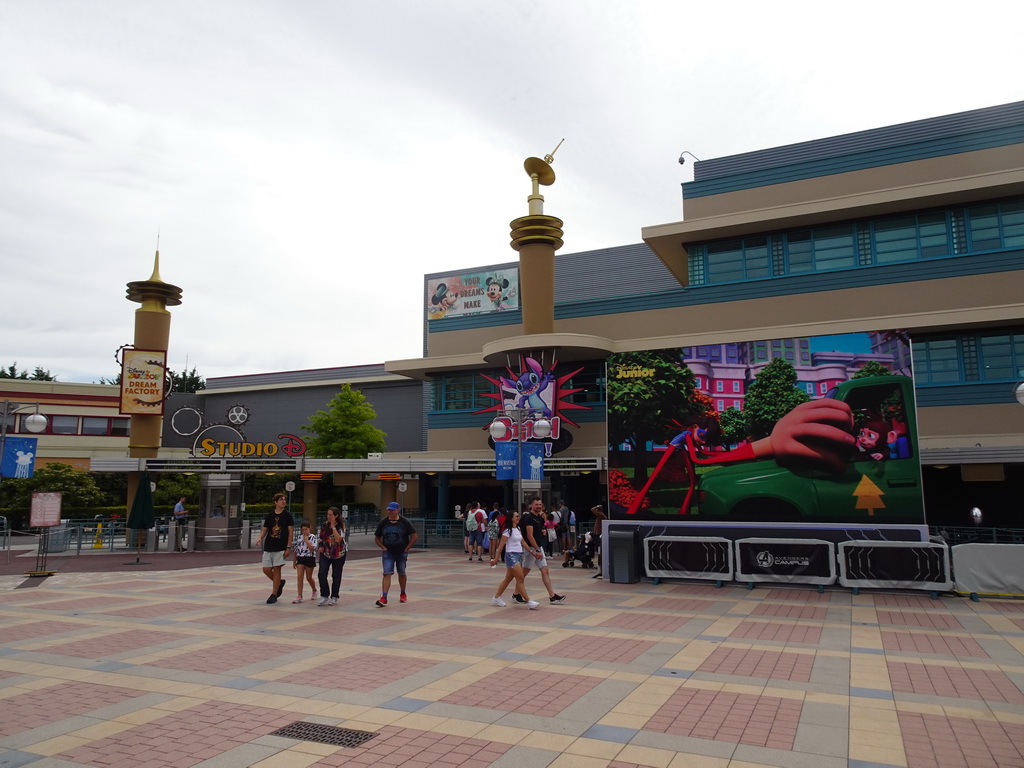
(624, 560)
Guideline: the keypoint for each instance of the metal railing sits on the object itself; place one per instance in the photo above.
(977, 535)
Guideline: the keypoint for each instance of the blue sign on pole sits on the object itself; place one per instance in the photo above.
(19, 457)
(506, 459)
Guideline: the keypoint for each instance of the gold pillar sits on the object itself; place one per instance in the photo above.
(152, 331)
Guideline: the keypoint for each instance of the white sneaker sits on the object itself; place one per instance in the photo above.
(324, 601)
(498, 601)
(532, 604)
(334, 601)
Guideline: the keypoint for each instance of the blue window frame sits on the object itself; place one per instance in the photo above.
(464, 392)
(985, 356)
(955, 231)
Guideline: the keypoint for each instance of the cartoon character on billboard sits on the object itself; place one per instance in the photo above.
(496, 287)
(443, 301)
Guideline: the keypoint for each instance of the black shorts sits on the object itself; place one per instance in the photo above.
(309, 562)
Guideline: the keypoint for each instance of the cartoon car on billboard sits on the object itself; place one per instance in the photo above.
(848, 457)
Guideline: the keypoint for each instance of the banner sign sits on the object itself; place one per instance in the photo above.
(143, 374)
(810, 429)
(472, 293)
(506, 460)
(800, 561)
(19, 457)
(45, 510)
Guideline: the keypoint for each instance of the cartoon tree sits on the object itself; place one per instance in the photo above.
(771, 396)
(642, 407)
(344, 430)
(734, 426)
(871, 368)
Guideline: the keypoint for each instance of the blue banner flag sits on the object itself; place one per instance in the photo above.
(19, 457)
(506, 459)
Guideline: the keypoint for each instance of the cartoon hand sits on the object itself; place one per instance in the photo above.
(814, 435)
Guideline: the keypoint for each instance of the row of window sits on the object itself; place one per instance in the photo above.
(963, 358)
(94, 426)
(910, 237)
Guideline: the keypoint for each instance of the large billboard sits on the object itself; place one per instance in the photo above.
(811, 429)
(472, 293)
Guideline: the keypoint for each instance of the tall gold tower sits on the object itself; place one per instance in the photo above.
(537, 237)
(152, 331)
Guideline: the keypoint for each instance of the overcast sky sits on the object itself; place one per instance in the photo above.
(306, 163)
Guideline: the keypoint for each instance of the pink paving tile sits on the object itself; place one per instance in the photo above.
(27, 595)
(783, 633)
(184, 738)
(704, 590)
(919, 602)
(412, 748)
(38, 708)
(588, 648)
(119, 585)
(1018, 622)
(798, 595)
(418, 604)
(1007, 606)
(738, 718)
(940, 680)
(264, 616)
(528, 692)
(935, 619)
(155, 610)
(462, 637)
(680, 604)
(574, 598)
(98, 647)
(343, 626)
(35, 629)
(937, 740)
(941, 644)
(190, 589)
(361, 672)
(745, 662)
(83, 603)
(815, 612)
(225, 657)
(648, 622)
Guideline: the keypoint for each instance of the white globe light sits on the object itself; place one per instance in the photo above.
(498, 429)
(1018, 392)
(541, 428)
(35, 423)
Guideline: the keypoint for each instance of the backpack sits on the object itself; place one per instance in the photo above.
(471, 521)
(493, 531)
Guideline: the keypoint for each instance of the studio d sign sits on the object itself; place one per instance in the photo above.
(291, 446)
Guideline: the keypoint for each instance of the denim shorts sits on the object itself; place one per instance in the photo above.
(512, 558)
(394, 560)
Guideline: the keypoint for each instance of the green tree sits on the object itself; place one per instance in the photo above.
(771, 396)
(186, 381)
(78, 488)
(734, 426)
(871, 368)
(39, 374)
(344, 431)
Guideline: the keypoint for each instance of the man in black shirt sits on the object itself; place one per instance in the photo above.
(532, 526)
(276, 538)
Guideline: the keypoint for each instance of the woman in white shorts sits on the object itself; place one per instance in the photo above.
(513, 545)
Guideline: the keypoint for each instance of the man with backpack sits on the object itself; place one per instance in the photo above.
(476, 526)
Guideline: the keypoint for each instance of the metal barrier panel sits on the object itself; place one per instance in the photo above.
(697, 557)
(895, 565)
(790, 561)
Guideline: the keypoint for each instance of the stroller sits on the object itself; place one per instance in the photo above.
(584, 551)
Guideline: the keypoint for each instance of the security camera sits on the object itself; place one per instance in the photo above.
(682, 159)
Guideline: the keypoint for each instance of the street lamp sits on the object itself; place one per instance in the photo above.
(520, 418)
(35, 423)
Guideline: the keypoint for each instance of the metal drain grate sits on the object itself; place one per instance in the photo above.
(324, 734)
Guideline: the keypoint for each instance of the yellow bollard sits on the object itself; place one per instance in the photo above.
(97, 543)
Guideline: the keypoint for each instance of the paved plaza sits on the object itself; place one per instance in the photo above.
(191, 667)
